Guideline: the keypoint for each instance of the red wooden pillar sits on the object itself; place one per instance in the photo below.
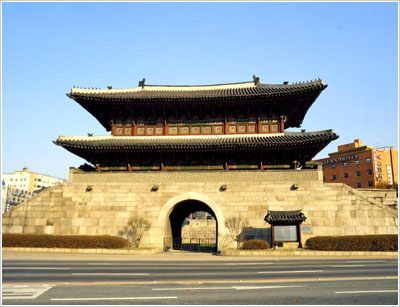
(226, 126)
(113, 129)
(165, 127)
(283, 119)
(259, 125)
(134, 128)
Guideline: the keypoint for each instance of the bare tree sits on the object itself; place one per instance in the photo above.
(238, 228)
(135, 229)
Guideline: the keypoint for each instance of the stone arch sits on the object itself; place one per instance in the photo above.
(182, 210)
(167, 209)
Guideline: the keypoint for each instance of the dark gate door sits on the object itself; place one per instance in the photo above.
(191, 244)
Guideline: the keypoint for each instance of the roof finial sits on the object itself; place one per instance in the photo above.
(256, 80)
(141, 83)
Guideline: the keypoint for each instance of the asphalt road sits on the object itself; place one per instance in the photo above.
(200, 281)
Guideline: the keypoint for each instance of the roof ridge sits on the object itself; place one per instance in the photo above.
(199, 85)
(206, 87)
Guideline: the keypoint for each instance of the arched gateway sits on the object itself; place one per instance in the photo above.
(174, 212)
(226, 146)
(192, 138)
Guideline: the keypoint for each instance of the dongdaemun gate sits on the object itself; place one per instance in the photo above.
(222, 149)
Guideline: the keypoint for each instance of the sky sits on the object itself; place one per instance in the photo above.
(47, 48)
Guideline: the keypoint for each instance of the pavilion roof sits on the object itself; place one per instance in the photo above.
(285, 217)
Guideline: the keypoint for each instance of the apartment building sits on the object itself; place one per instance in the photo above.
(21, 185)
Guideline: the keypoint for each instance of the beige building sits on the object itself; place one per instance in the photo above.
(21, 185)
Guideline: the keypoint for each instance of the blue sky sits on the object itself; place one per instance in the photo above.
(49, 47)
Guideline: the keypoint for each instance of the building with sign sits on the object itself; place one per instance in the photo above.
(221, 149)
(362, 166)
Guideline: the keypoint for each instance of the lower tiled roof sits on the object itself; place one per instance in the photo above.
(190, 143)
(285, 217)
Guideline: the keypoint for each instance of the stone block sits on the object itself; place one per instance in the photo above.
(30, 229)
(58, 214)
(15, 229)
(48, 230)
(15, 221)
(317, 213)
(353, 214)
(106, 222)
(71, 213)
(7, 222)
(66, 222)
(37, 221)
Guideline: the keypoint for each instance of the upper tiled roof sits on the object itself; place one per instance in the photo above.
(157, 102)
(243, 89)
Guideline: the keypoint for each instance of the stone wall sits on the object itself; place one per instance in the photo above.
(200, 229)
(157, 177)
(103, 203)
(388, 197)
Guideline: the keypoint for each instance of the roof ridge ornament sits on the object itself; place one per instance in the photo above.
(141, 83)
(256, 80)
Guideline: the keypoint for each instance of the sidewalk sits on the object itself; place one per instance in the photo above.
(9, 253)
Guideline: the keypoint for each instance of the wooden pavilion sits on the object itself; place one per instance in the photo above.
(223, 126)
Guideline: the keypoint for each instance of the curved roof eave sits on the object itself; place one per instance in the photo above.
(121, 141)
(301, 96)
(195, 91)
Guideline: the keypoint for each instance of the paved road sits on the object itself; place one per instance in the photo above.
(201, 280)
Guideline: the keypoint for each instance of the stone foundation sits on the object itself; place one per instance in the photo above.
(103, 203)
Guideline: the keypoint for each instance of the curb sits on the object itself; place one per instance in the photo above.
(103, 251)
(310, 253)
